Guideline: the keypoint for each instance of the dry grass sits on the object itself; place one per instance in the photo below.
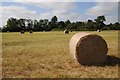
(46, 55)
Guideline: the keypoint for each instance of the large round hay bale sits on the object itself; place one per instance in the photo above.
(66, 31)
(88, 49)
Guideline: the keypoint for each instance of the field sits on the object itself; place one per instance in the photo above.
(46, 55)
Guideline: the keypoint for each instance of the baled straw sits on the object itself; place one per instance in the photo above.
(88, 48)
(66, 31)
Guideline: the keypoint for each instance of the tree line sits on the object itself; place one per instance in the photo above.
(17, 25)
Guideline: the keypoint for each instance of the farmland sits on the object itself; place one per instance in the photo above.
(46, 55)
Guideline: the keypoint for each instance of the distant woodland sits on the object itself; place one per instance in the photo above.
(17, 25)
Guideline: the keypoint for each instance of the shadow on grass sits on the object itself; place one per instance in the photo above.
(110, 61)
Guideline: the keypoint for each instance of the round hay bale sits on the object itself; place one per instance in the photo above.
(30, 31)
(98, 30)
(22, 31)
(66, 32)
(88, 49)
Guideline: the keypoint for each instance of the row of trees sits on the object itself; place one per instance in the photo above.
(16, 25)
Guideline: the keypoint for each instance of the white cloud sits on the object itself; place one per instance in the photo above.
(60, 0)
(111, 19)
(39, 1)
(0, 16)
(109, 9)
(62, 15)
(62, 10)
(103, 8)
(55, 5)
(106, 0)
(16, 12)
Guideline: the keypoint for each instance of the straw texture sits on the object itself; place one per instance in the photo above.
(66, 31)
(88, 48)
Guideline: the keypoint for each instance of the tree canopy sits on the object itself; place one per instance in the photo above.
(16, 25)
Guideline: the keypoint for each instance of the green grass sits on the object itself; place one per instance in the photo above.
(46, 55)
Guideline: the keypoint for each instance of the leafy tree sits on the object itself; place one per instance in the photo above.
(40, 22)
(89, 25)
(99, 21)
(12, 25)
(61, 25)
(45, 25)
(116, 26)
(53, 23)
(0, 29)
(54, 19)
(15, 25)
(110, 26)
(21, 24)
(36, 26)
(67, 23)
(81, 25)
(29, 24)
(5, 29)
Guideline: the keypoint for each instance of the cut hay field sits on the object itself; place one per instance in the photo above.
(46, 55)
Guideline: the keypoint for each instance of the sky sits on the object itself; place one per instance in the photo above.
(73, 10)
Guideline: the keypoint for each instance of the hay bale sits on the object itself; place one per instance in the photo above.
(66, 31)
(22, 31)
(30, 31)
(98, 30)
(88, 49)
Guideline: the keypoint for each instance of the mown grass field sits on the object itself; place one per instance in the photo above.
(46, 55)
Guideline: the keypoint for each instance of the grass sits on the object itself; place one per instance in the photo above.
(46, 55)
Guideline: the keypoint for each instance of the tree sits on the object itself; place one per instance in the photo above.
(61, 25)
(12, 25)
(40, 22)
(45, 25)
(54, 19)
(15, 25)
(21, 24)
(36, 26)
(0, 29)
(89, 25)
(116, 26)
(29, 24)
(53, 23)
(5, 29)
(99, 21)
(67, 23)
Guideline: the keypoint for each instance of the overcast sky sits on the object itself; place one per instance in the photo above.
(73, 10)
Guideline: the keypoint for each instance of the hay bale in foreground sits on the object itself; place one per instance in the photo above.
(88, 49)
(66, 31)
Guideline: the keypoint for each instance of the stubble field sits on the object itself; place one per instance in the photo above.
(46, 55)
